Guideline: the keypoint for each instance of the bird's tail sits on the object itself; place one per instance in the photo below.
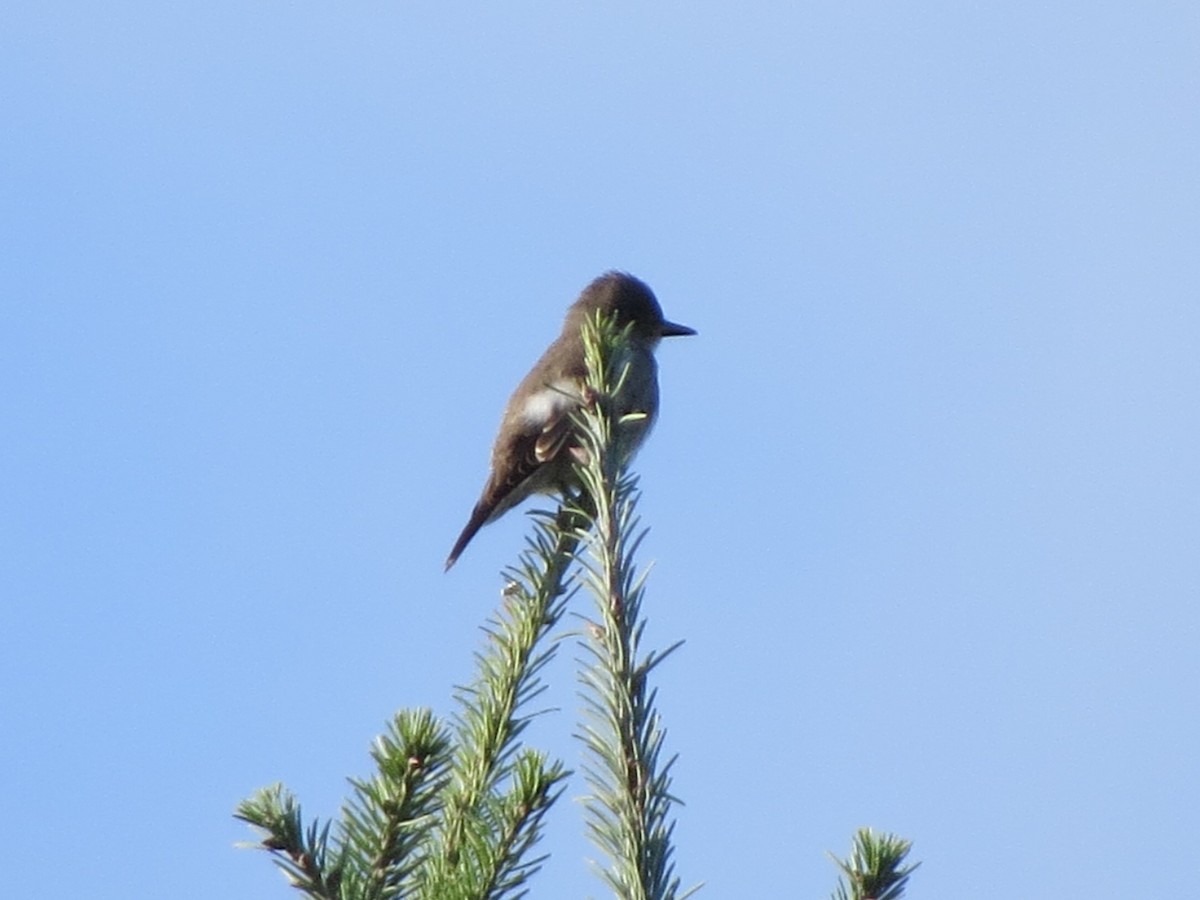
(479, 517)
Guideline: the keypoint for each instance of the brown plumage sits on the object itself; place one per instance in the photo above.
(535, 451)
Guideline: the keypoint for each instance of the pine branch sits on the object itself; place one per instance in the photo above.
(534, 789)
(385, 821)
(479, 846)
(446, 818)
(374, 847)
(874, 870)
(303, 856)
(629, 811)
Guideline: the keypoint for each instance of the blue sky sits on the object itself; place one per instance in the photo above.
(924, 493)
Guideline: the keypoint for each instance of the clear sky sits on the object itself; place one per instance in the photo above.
(925, 492)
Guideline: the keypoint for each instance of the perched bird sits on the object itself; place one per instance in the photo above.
(535, 448)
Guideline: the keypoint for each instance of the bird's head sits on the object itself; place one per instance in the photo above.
(628, 299)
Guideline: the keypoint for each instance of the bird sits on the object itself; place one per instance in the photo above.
(535, 450)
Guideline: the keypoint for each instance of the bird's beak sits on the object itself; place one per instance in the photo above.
(670, 329)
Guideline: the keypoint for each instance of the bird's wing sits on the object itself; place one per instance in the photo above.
(535, 436)
(523, 460)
